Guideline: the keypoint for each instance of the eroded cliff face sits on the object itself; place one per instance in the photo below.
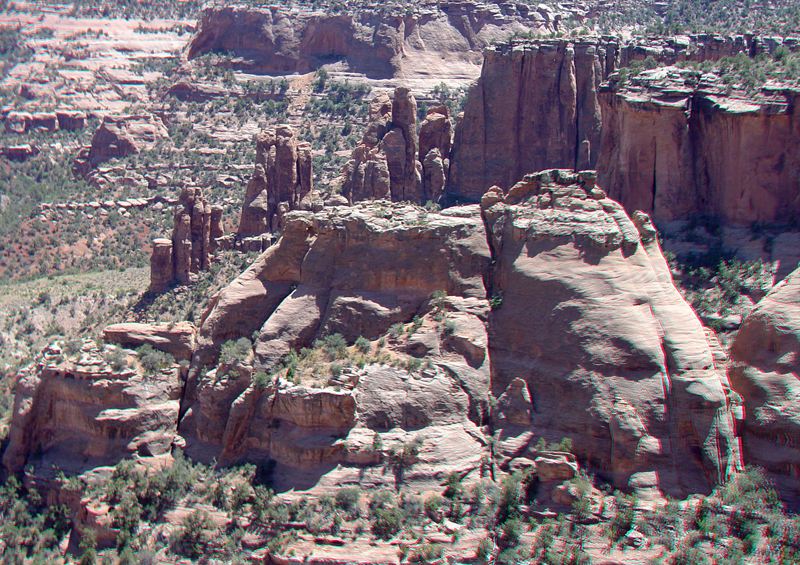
(764, 369)
(671, 142)
(75, 411)
(534, 107)
(611, 354)
(548, 298)
(677, 143)
(588, 339)
(445, 39)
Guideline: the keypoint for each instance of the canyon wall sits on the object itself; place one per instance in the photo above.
(677, 146)
(443, 39)
(671, 141)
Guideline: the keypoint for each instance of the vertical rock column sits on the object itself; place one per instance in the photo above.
(385, 164)
(281, 181)
(196, 225)
(435, 139)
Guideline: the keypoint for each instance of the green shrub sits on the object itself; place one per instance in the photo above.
(153, 360)
(347, 499)
(362, 344)
(193, 537)
(235, 351)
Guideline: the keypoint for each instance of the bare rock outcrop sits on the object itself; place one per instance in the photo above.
(196, 227)
(671, 142)
(281, 181)
(343, 270)
(77, 411)
(764, 370)
(384, 164)
(435, 141)
(613, 357)
(445, 38)
(119, 136)
(534, 107)
(674, 146)
(176, 339)
(192, 245)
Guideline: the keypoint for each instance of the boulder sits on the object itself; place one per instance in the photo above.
(514, 406)
(555, 466)
(177, 339)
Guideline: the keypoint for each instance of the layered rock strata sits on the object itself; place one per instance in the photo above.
(670, 142)
(764, 369)
(78, 411)
(380, 43)
(549, 298)
(117, 136)
(281, 181)
(677, 143)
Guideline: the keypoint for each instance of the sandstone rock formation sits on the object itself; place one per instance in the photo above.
(445, 39)
(196, 226)
(384, 164)
(176, 339)
(667, 142)
(534, 107)
(281, 181)
(435, 140)
(675, 147)
(119, 136)
(613, 357)
(764, 369)
(548, 298)
(88, 409)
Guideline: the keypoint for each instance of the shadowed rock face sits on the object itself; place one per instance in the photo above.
(281, 181)
(612, 355)
(588, 339)
(534, 107)
(669, 142)
(764, 369)
(79, 412)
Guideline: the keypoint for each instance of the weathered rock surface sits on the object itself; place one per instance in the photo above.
(281, 181)
(613, 357)
(177, 339)
(671, 142)
(196, 227)
(192, 245)
(384, 164)
(674, 146)
(79, 412)
(435, 140)
(764, 370)
(119, 136)
(446, 38)
(354, 271)
(533, 108)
